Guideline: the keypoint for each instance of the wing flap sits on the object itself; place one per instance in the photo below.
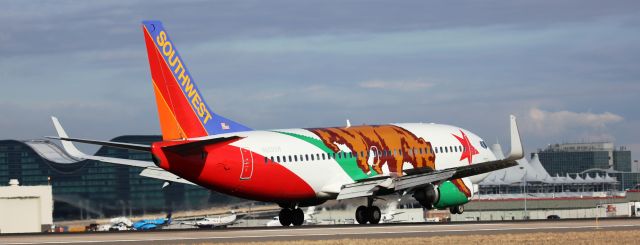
(158, 173)
(411, 181)
(129, 146)
(360, 189)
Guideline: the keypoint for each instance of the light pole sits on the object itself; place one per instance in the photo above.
(524, 178)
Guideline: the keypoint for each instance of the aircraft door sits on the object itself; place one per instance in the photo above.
(247, 164)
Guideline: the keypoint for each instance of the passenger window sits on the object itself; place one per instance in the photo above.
(446, 150)
(278, 158)
(295, 158)
(426, 150)
(311, 157)
(271, 158)
(266, 160)
(306, 157)
(289, 158)
(284, 158)
(400, 152)
(389, 153)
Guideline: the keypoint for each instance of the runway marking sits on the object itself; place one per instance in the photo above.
(324, 234)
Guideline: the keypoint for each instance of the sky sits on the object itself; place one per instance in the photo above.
(569, 70)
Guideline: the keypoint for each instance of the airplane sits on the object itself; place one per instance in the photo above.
(436, 164)
(218, 221)
(151, 224)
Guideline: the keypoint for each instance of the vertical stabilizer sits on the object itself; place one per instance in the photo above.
(182, 111)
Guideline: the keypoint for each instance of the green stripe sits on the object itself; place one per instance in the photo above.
(348, 164)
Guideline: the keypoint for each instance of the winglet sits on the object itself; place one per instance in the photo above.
(68, 146)
(517, 152)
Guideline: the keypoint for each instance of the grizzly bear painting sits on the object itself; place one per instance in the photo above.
(381, 140)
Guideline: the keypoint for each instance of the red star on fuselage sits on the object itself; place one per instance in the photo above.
(468, 149)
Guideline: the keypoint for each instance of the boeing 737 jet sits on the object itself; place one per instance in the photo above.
(434, 163)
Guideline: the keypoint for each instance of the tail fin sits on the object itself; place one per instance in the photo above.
(182, 110)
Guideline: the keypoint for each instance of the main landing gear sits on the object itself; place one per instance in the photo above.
(368, 214)
(289, 216)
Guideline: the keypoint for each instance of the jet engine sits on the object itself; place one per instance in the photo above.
(445, 195)
(427, 196)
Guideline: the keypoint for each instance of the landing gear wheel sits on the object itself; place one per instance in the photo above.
(456, 209)
(362, 215)
(285, 216)
(374, 214)
(297, 217)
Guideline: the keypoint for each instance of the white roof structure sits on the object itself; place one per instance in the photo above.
(533, 171)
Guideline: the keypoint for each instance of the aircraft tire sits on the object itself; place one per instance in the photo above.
(460, 209)
(361, 215)
(297, 217)
(374, 214)
(285, 216)
(453, 210)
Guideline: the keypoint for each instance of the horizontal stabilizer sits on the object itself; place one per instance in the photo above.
(195, 145)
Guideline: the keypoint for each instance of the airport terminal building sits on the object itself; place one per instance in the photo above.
(91, 189)
(590, 160)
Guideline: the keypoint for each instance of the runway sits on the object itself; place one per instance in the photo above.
(322, 232)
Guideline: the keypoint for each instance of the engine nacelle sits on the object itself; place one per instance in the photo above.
(427, 196)
(448, 194)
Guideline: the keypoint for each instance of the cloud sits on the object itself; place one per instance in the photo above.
(552, 123)
(401, 85)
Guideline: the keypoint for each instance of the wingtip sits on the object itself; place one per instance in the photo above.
(517, 151)
(68, 146)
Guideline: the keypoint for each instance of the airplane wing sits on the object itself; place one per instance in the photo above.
(149, 168)
(419, 178)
